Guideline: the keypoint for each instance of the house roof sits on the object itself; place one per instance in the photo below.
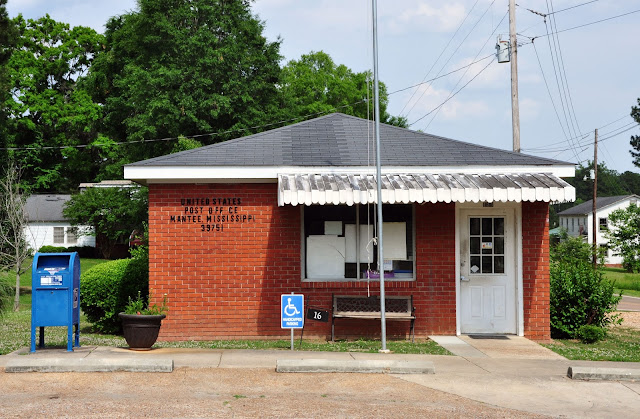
(339, 140)
(107, 184)
(46, 208)
(602, 202)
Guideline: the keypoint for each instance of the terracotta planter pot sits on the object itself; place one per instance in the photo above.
(141, 331)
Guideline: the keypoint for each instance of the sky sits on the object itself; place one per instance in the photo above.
(583, 78)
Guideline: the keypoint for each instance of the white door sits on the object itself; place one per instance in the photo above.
(487, 272)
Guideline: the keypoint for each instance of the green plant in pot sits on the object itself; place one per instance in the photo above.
(141, 322)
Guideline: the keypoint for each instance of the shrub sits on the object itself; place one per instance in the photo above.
(106, 289)
(580, 295)
(6, 292)
(590, 333)
(52, 249)
(83, 251)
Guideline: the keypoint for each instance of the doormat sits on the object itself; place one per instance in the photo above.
(499, 337)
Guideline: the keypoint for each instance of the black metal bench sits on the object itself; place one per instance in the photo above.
(356, 307)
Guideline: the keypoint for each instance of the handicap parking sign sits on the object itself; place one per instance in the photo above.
(291, 311)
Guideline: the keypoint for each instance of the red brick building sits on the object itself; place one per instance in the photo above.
(234, 225)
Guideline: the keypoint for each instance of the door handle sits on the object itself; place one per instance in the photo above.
(464, 278)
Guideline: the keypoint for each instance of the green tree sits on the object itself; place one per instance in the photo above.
(635, 139)
(610, 183)
(624, 236)
(177, 67)
(8, 35)
(112, 214)
(315, 84)
(49, 114)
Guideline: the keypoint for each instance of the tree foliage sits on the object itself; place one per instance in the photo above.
(182, 68)
(610, 183)
(635, 139)
(579, 294)
(48, 113)
(624, 236)
(314, 84)
(113, 213)
(8, 35)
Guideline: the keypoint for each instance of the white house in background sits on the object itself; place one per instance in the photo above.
(577, 220)
(47, 225)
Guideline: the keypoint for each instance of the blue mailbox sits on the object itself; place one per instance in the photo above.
(55, 299)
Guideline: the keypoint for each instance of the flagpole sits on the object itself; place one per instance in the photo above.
(376, 104)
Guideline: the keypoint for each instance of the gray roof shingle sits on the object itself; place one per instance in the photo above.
(602, 202)
(339, 140)
(43, 208)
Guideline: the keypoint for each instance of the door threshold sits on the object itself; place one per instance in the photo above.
(497, 337)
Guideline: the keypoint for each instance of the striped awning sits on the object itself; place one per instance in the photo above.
(336, 189)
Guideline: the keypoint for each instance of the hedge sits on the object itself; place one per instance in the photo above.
(106, 288)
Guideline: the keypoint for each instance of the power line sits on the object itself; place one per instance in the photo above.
(560, 142)
(563, 74)
(555, 72)
(454, 52)
(441, 52)
(465, 72)
(549, 91)
(588, 24)
(558, 11)
(451, 96)
(611, 134)
(444, 75)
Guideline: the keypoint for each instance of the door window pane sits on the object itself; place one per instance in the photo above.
(486, 245)
(475, 245)
(498, 226)
(474, 226)
(487, 226)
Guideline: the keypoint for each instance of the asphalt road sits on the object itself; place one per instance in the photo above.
(231, 393)
(629, 303)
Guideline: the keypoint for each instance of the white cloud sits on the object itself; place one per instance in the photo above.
(421, 14)
(428, 98)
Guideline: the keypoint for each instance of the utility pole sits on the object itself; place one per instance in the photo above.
(594, 221)
(513, 44)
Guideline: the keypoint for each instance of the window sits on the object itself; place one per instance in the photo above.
(72, 235)
(338, 241)
(486, 245)
(58, 235)
(603, 225)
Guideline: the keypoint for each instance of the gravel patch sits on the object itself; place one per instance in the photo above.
(631, 319)
(239, 393)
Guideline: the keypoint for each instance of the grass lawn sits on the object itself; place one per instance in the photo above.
(621, 344)
(15, 330)
(629, 283)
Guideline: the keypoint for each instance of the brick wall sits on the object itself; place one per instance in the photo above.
(224, 279)
(535, 270)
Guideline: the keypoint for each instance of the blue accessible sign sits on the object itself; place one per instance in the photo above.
(291, 309)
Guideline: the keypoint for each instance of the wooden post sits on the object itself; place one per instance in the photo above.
(594, 223)
(513, 45)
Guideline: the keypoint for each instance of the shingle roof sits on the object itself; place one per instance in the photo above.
(42, 208)
(339, 140)
(602, 202)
